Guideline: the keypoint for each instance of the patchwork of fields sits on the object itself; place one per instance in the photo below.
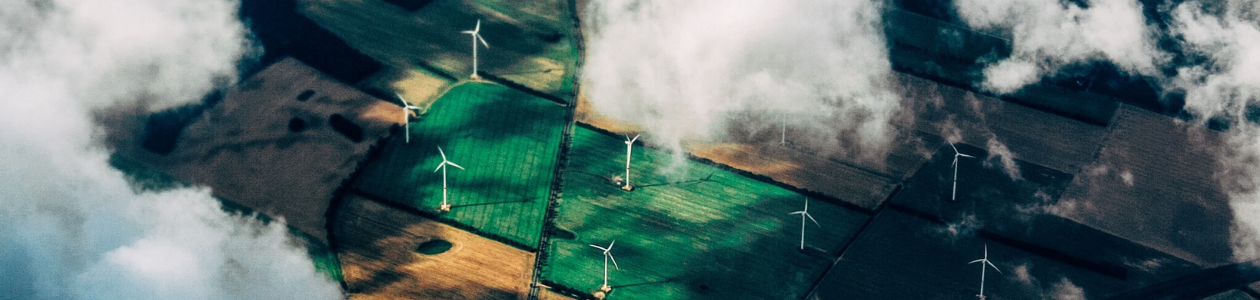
(506, 140)
(717, 225)
(684, 237)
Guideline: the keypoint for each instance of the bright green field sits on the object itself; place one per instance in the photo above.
(724, 237)
(507, 141)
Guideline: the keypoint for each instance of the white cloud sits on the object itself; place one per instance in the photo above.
(1066, 290)
(1049, 34)
(1222, 83)
(70, 225)
(683, 69)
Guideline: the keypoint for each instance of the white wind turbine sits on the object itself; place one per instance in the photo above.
(476, 36)
(442, 166)
(629, 147)
(805, 214)
(406, 116)
(957, 154)
(984, 264)
(783, 132)
(607, 256)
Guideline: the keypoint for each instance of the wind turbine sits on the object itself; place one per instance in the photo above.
(957, 154)
(607, 256)
(406, 115)
(783, 132)
(442, 166)
(984, 264)
(805, 214)
(476, 36)
(629, 145)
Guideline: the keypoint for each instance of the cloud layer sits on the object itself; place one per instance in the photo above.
(70, 225)
(1047, 35)
(693, 69)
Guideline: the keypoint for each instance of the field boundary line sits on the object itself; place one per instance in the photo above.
(566, 139)
(440, 219)
(750, 175)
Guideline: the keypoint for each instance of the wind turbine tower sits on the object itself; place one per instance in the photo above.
(629, 147)
(954, 194)
(984, 264)
(805, 214)
(476, 36)
(607, 256)
(407, 107)
(442, 166)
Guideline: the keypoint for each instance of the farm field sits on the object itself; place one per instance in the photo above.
(281, 142)
(1154, 183)
(388, 253)
(902, 256)
(801, 170)
(146, 178)
(1021, 212)
(703, 233)
(420, 87)
(532, 43)
(508, 142)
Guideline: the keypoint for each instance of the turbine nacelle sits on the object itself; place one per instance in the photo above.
(445, 162)
(608, 253)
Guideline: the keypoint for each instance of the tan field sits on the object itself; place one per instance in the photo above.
(419, 87)
(244, 149)
(378, 252)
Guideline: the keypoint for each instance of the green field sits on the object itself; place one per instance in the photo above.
(507, 141)
(711, 235)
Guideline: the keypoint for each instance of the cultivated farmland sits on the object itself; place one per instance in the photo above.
(508, 143)
(532, 42)
(703, 233)
(391, 254)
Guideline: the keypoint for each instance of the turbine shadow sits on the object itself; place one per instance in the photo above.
(698, 180)
(493, 203)
(645, 283)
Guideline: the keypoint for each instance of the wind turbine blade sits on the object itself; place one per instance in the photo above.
(614, 259)
(614, 242)
(439, 167)
(443, 153)
(796, 212)
(964, 155)
(976, 261)
(400, 98)
(636, 137)
(811, 218)
(468, 32)
(991, 265)
(478, 28)
(455, 165)
(600, 248)
(483, 40)
(955, 163)
(951, 145)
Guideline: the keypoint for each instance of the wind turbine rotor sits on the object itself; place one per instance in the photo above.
(483, 40)
(454, 165)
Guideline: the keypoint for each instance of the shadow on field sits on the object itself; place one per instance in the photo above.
(1020, 213)
(379, 253)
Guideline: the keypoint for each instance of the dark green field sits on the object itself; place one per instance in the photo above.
(710, 235)
(506, 140)
(532, 43)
